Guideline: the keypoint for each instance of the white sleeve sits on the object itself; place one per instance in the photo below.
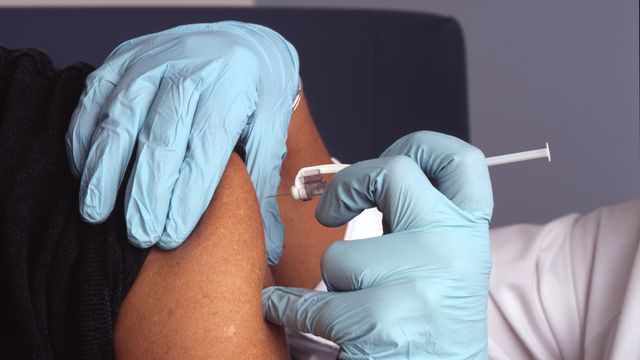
(569, 289)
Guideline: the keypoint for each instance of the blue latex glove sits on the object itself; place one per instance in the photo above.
(419, 291)
(184, 96)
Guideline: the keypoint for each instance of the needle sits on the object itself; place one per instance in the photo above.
(270, 196)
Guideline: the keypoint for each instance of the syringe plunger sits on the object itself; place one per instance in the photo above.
(520, 156)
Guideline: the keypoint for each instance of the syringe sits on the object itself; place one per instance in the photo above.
(310, 182)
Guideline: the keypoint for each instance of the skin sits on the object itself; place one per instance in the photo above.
(203, 299)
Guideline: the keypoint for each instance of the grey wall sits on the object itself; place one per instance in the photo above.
(101, 3)
(559, 71)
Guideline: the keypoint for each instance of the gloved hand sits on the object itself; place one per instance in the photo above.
(186, 96)
(419, 291)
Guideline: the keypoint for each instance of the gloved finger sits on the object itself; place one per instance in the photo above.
(265, 147)
(367, 263)
(112, 145)
(458, 169)
(221, 115)
(395, 184)
(302, 310)
(353, 265)
(161, 149)
(85, 117)
(98, 90)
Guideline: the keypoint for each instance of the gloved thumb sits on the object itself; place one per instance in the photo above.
(266, 148)
(458, 169)
(395, 185)
(297, 309)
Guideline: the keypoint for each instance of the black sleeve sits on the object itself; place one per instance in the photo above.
(61, 280)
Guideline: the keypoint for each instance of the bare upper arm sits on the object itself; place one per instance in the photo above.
(203, 299)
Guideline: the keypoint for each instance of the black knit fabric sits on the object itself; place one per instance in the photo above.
(61, 279)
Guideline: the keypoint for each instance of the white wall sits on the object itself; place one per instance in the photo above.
(559, 71)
